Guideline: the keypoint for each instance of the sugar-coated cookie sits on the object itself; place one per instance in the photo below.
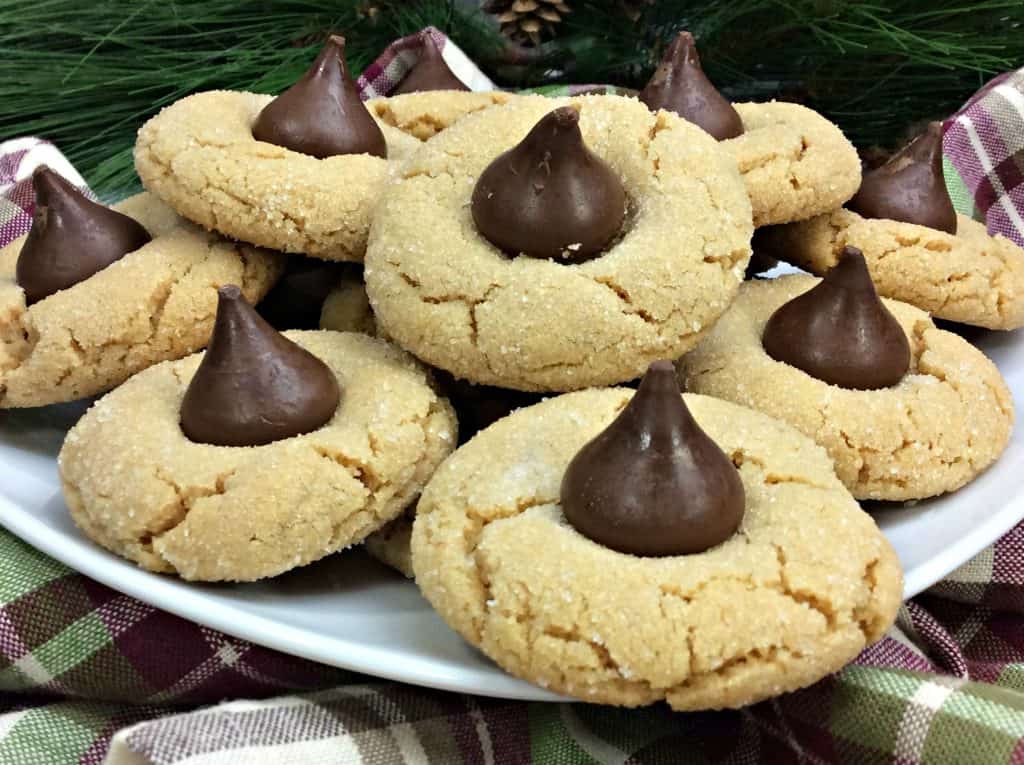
(968, 277)
(795, 163)
(943, 423)
(136, 484)
(199, 155)
(446, 293)
(152, 304)
(797, 591)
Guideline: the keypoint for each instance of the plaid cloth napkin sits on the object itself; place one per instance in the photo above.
(80, 662)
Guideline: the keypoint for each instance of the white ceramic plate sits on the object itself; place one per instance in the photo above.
(351, 612)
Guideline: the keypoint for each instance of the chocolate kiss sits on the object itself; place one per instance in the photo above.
(840, 332)
(550, 196)
(321, 114)
(429, 73)
(71, 238)
(652, 482)
(679, 85)
(910, 187)
(254, 385)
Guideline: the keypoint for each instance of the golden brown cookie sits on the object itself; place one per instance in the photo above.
(136, 485)
(794, 162)
(968, 277)
(805, 583)
(945, 422)
(155, 303)
(425, 114)
(444, 292)
(200, 157)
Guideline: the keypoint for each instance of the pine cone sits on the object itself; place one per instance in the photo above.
(528, 22)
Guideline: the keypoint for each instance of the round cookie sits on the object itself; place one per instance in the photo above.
(798, 591)
(946, 421)
(968, 277)
(424, 114)
(347, 308)
(153, 304)
(441, 290)
(199, 156)
(139, 487)
(794, 162)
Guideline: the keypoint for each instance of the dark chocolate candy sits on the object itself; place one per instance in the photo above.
(910, 187)
(71, 238)
(429, 73)
(840, 331)
(254, 385)
(653, 483)
(296, 300)
(679, 85)
(321, 114)
(550, 196)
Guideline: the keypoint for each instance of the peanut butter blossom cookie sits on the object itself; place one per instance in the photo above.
(265, 453)
(92, 295)
(794, 162)
(553, 244)
(630, 548)
(906, 410)
(299, 173)
(918, 249)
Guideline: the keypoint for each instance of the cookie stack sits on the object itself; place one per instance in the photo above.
(524, 255)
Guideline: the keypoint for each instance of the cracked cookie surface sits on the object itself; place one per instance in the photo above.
(199, 156)
(424, 115)
(805, 583)
(136, 485)
(448, 295)
(970, 277)
(945, 422)
(794, 162)
(154, 304)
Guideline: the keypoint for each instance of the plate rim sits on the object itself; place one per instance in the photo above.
(287, 639)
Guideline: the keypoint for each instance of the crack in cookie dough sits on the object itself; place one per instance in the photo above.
(441, 290)
(199, 156)
(794, 162)
(969, 277)
(493, 554)
(424, 115)
(136, 485)
(154, 304)
(945, 422)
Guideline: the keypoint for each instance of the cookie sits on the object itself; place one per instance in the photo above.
(425, 114)
(153, 304)
(968, 277)
(794, 162)
(135, 484)
(199, 156)
(946, 421)
(804, 584)
(347, 308)
(444, 292)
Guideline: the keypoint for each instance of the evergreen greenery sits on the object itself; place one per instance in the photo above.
(85, 75)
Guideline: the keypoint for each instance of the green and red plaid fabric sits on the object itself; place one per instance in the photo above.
(82, 665)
